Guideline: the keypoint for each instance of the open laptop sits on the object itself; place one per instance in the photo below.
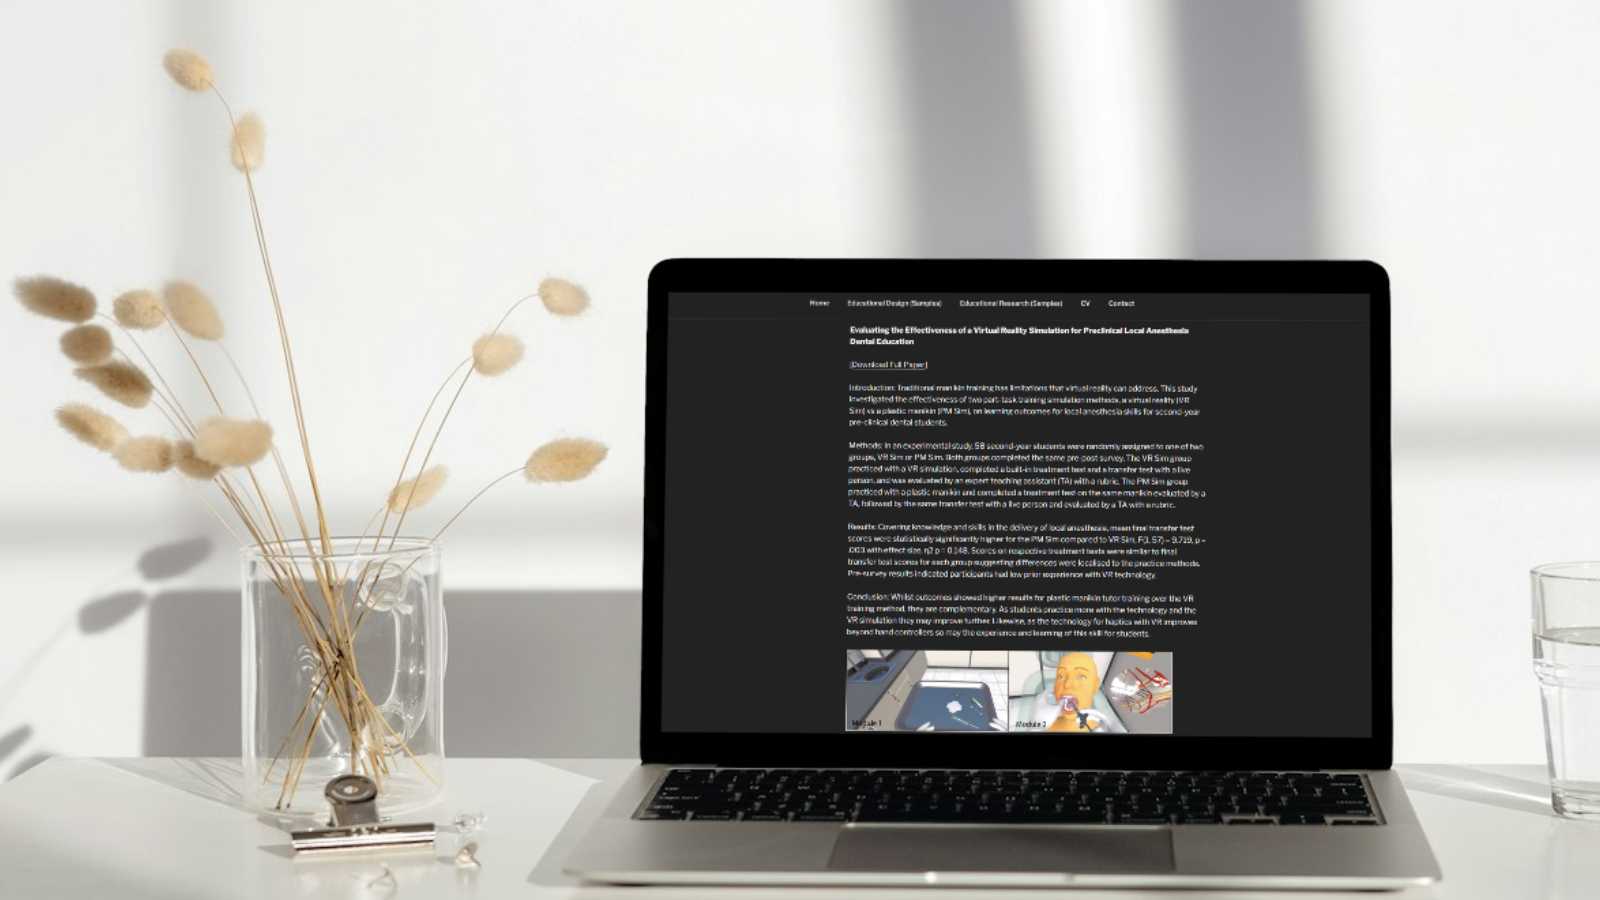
(1104, 547)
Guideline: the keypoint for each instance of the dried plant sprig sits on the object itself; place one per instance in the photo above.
(426, 456)
(232, 442)
(189, 69)
(190, 464)
(91, 426)
(494, 354)
(560, 297)
(121, 381)
(164, 389)
(288, 352)
(334, 646)
(87, 345)
(414, 492)
(564, 459)
(331, 636)
(145, 454)
(186, 295)
(192, 310)
(277, 457)
(140, 310)
(55, 298)
(410, 449)
(249, 143)
(563, 298)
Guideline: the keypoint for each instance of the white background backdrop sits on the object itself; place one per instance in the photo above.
(427, 166)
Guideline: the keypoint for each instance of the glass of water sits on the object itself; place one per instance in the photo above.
(1566, 657)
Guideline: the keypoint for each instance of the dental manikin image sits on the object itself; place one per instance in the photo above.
(926, 690)
(1091, 691)
(998, 691)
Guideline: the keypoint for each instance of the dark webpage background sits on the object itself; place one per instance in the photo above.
(755, 505)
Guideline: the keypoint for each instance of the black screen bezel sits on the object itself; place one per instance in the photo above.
(1015, 750)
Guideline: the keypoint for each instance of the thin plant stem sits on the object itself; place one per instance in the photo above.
(177, 417)
(359, 541)
(184, 423)
(161, 406)
(283, 330)
(266, 506)
(409, 449)
(239, 374)
(222, 521)
(277, 458)
(468, 504)
(401, 521)
(288, 735)
(168, 408)
(442, 420)
(154, 369)
(324, 575)
(519, 301)
(195, 361)
(287, 792)
(322, 580)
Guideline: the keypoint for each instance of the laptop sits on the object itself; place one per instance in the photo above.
(1105, 549)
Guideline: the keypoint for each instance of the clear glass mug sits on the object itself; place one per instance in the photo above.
(343, 663)
(1566, 659)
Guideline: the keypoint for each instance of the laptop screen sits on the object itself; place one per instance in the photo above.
(1056, 512)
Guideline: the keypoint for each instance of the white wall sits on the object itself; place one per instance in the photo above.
(426, 166)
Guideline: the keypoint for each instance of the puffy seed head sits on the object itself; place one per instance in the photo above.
(193, 310)
(184, 458)
(123, 382)
(91, 426)
(55, 298)
(87, 345)
(138, 310)
(249, 144)
(232, 442)
(145, 454)
(414, 492)
(495, 353)
(563, 298)
(564, 459)
(189, 69)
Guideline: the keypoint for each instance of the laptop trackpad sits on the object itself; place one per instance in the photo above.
(977, 849)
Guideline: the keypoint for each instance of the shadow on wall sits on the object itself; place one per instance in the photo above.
(531, 673)
(971, 173)
(1248, 150)
(95, 617)
(1249, 160)
(11, 741)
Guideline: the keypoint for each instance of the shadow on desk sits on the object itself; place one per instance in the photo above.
(1475, 784)
(531, 674)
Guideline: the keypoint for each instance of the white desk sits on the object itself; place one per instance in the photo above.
(172, 829)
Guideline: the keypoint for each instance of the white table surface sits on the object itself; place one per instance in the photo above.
(173, 828)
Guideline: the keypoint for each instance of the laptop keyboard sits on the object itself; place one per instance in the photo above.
(1011, 796)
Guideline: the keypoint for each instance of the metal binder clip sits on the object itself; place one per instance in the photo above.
(354, 823)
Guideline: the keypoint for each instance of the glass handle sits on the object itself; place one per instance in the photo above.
(406, 707)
